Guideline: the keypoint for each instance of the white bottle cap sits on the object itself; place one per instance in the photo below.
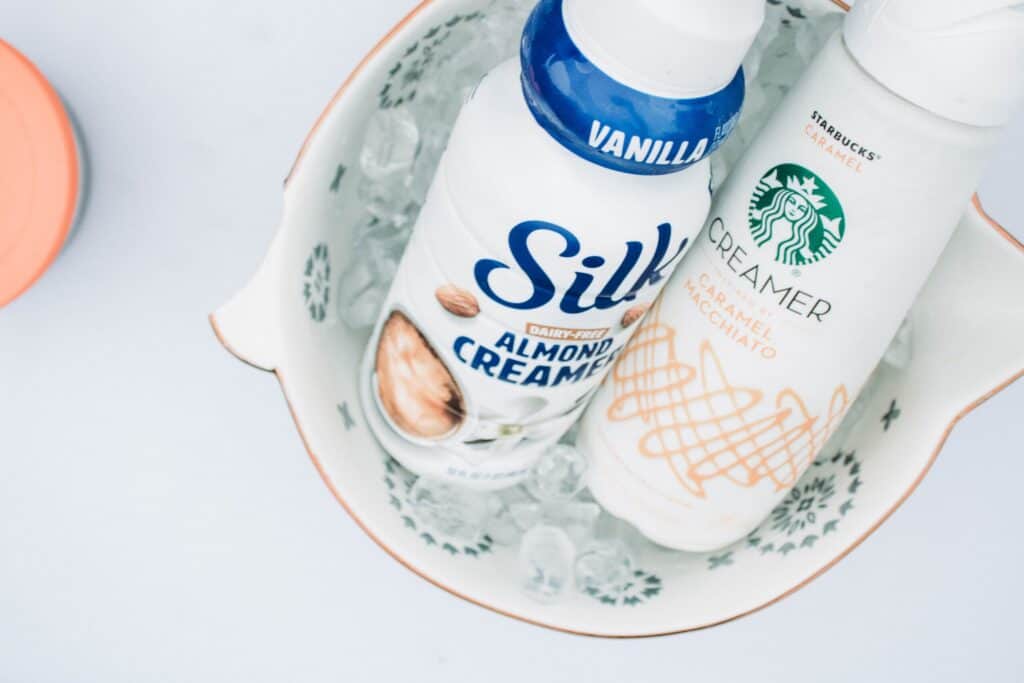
(670, 48)
(960, 59)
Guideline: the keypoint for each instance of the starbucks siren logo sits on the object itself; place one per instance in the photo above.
(795, 214)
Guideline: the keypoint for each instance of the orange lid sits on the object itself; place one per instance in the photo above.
(38, 174)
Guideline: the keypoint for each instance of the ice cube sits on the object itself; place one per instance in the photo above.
(436, 107)
(603, 567)
(558, 475)
(362, 311)
(575, 519)
(719, 171)
(854, 415)
(448, 509)
(811, 36)
(357, 277)
(390, 144)
(901, 349)
(367, 277)
(389, 200)
(503, 24)
(382, 249)
(472, 63)
(611, 529)
(546, 558)
(573, 433)
(502, 524)
(526, 515)
(359, 296)
(423, 173)
(782, 68)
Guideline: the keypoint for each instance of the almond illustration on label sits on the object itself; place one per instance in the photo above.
(415, 388)
(458, 301)
(630, 317)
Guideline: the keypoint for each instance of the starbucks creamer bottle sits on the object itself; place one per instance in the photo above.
(574, 180)
(814, 250)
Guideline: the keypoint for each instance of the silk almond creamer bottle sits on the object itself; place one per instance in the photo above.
(814, 250)
(575, 179)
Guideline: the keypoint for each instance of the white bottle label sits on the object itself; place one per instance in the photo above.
(813, 253)
(492, 344)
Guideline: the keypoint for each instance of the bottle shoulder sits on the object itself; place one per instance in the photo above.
(837, 81)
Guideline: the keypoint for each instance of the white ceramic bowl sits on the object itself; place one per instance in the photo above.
(285, 321)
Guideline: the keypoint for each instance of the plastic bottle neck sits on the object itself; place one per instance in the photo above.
(668, 48)
(611, 123)
(960, 59)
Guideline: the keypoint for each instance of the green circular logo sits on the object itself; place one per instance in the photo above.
(794, 213)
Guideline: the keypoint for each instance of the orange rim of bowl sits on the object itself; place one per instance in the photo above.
(39, 174)
(318, 464)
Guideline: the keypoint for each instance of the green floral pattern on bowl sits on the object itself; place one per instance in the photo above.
(642, 588)
(418, 59)
(399, 482)
(316, 283)
(814, 508)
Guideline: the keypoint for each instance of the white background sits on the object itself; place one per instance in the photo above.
(159, 519)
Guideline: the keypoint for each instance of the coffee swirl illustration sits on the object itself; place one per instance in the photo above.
(416, 389)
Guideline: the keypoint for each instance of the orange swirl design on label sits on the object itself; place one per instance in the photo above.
(705, 427)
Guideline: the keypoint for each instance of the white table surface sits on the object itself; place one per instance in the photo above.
(159, 519)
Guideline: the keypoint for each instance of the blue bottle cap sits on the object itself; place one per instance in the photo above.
(609, 123)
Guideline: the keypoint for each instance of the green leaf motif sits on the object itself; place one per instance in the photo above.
(718, 561)
(808, 511)
(632, 593)
(316, 286)
(395, 478)
(894, 413)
